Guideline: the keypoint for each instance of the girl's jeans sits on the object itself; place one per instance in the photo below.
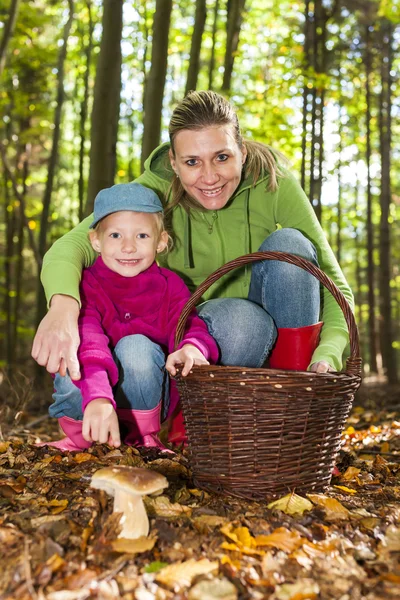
(280, 295)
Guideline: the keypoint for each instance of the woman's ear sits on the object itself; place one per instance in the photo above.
(163, 242)
(172, 159)
(94, 240)
(244, 154)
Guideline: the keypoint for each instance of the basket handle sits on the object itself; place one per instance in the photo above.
(353, 363)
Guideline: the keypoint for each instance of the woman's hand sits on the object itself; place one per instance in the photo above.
(321, 367)
(100, 423)
(188, 355)
(57, 339)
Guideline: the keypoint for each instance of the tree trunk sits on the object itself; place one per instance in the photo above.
(41, 302)
(211, 65)
(370, 227)
(106, 101)
(83, 114)
(8, 33)
(9, 217)
(197, 35)
(235, 9)
(388, 355)
(154, 93)
(306, 92)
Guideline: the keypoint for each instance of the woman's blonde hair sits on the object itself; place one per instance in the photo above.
(209, 109)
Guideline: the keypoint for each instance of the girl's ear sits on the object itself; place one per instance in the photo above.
(94, 240)
(163, 242)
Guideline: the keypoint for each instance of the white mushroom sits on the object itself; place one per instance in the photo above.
(128, 485)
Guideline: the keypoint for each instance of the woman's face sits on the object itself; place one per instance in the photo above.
(209, 164)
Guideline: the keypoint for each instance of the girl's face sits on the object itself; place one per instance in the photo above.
(209, 164)
(129, 241)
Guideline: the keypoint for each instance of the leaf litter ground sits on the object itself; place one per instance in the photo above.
(59, 537)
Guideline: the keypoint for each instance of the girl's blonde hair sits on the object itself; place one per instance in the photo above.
(209, 109)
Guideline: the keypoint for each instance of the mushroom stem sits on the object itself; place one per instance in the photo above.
(134, 520)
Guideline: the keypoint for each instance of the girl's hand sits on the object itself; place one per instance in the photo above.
(57, 339)
(100, 423)
(188, 355)
(321, 367)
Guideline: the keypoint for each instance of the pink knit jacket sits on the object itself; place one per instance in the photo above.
(114, 307)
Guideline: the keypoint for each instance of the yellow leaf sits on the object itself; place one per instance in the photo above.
(142, 544)
(81, 457)
(281, 538)
(244, 537)
(345, 489)
(4, 446)
(291, 504)
(350, 473)
(226, 560)
(180, 575)
(333, 508)
(57, 506)
(230, 546)
(385, 447)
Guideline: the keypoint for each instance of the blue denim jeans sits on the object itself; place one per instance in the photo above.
(143, 380)
(280, 295)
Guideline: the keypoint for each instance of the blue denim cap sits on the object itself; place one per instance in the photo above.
(125, 196)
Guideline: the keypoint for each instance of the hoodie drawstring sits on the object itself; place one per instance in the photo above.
(187, 243)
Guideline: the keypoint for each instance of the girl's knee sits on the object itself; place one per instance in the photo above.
(138, 354)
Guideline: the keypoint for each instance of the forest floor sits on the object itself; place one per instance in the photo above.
(58, 536)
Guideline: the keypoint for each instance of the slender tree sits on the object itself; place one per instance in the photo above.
(84, 110)
(153, 98)
(370, 226)
(211, 65)
(388, 355)
(106, 100)
(44, 220)
(8, 32)
(198, 30)
(235, 10)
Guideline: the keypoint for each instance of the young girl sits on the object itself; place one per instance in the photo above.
(130, 309)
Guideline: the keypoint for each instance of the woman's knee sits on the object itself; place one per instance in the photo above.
(292, 241)
(244, 331)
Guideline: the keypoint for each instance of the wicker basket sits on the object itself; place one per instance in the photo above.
(254, 432)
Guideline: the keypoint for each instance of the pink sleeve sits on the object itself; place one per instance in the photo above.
(98, 369)
(196, 331)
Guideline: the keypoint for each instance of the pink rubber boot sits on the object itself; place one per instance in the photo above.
(143, 426)
(294, 347)
(74, 441)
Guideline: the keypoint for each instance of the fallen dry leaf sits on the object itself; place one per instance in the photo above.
(335, 511)
(161, 506)
(180, 575)
(304, 589)
(281, 538)
(142, 544)
(213, 589)
(291, 504)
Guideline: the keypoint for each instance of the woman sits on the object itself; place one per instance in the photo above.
(225, 197)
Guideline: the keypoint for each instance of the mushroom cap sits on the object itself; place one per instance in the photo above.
(131, 480)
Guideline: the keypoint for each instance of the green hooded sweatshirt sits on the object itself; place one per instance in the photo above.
(205, 240)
